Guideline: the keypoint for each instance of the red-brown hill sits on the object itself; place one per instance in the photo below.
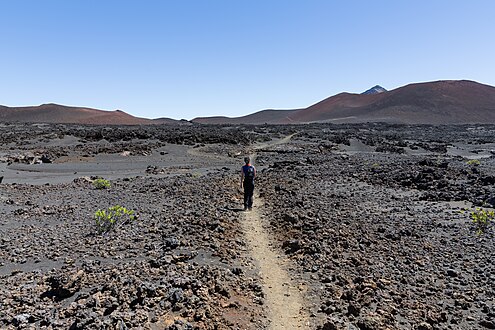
(439, 102)
(54, 113)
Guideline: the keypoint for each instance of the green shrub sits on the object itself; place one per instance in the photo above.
(473, 162)
(101, 184)
(117, 215)
(482, 219)
(196, 175)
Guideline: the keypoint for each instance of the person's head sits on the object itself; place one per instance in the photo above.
(247, 160)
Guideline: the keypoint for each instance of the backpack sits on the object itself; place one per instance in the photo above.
(249, 173)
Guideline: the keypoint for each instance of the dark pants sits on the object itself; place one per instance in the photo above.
(248, 194)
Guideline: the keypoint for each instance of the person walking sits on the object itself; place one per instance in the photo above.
(248, 173)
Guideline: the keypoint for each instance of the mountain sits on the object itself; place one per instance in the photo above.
(375, 90)
(441, 102)
(54, 113)
(438, 102)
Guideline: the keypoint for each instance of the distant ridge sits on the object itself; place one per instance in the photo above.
(55, 113)
(438, 102)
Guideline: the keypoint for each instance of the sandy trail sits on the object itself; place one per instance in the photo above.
(283, 140)
(282, 297)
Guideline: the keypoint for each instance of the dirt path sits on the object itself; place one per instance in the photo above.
(282, 297)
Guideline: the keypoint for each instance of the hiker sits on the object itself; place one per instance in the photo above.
(248, 173)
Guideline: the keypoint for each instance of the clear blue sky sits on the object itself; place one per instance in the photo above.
(188, 58)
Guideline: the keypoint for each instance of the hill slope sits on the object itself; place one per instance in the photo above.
(442, 102)
(260, 117)
(54, 113)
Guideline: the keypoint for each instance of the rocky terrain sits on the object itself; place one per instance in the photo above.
(380, 235)
(370, 223)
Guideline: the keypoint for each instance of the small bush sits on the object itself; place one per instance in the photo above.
(117, 215)
(196, 175)
(482, 219)
(473, 162)
(101, 184)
